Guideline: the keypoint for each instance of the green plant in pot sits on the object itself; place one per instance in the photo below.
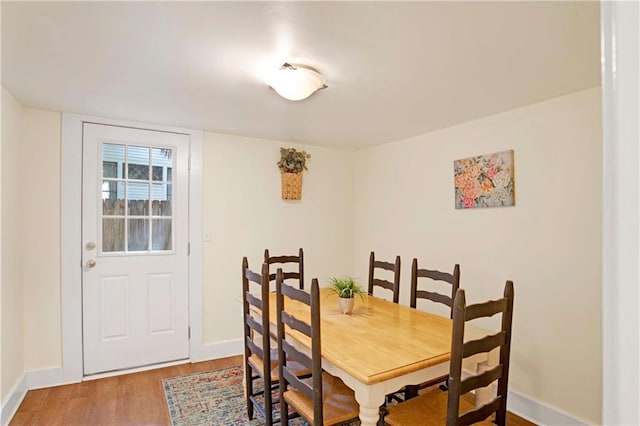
(346, 288)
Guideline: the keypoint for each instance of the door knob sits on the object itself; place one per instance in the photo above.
(90, 263)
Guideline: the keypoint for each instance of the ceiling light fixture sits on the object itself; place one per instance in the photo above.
(295, 82)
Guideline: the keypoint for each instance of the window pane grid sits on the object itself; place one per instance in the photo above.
(144, 188)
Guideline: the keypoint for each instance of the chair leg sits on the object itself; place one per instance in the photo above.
(284, 412)
(383, 412)
(410, 391)
(248, 391)
(445, 386)
(268, 405)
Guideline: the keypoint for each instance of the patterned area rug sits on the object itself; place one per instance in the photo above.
(208, 398)
(211, 398)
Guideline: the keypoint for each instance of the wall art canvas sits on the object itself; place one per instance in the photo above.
(484, 181)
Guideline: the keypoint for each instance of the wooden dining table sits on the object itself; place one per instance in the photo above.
(379, 348)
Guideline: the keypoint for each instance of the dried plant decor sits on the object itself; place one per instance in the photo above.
(292, 163)
(292, 160)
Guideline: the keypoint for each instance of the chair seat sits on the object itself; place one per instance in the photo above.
(427, 409)
(257, 364)
(339, 403)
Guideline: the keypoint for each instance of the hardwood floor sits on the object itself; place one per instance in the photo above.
(131, 399)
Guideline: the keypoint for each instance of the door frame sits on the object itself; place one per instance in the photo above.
(71, 237)
(620, 229)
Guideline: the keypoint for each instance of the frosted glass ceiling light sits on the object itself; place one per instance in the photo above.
(295, 82)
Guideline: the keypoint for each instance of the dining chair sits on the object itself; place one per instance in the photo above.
(285, 260)
(430, 408)
(430, 278)
(394, 286)
(321, 399)
(259, 361)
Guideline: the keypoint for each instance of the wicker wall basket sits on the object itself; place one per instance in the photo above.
(291, 186)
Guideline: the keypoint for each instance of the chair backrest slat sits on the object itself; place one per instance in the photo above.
(296, 324)
(486, 309)
(481, 380)
(421, 293)
(434, 297)
(435, 275)
(254, 301)
(485, 344)
(461, 349)
(295, 355)
(475, 416)
(252, 276)
(385, 284)
(287, 276)
(387, 266)
(255, 349)
(287, 262)
(298, 383)
(253, 324)
(296, 294)
(282, 259)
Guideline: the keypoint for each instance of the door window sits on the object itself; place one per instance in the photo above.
(137, 214)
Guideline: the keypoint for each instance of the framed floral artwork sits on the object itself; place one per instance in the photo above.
(484, 181)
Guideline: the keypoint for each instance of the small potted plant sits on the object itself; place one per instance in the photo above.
(346, 288)
(292, 163)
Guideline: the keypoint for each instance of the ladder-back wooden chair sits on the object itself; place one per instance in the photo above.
(429, 408)
(394, 286)
(429, 278)
(290, 271)
(321, 399)
(433, 275)
(258, 362)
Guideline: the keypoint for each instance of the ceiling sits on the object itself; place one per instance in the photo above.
(394, 69)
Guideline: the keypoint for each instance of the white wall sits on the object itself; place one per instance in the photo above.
(548, 244)
(244, 214)
(40, 187)
(11, 352)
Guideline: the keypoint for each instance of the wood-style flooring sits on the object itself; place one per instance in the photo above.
(130, 399)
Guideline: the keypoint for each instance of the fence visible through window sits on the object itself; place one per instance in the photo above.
(137, 209)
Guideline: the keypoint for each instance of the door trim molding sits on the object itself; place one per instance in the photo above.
(71, 243)
(620, 228)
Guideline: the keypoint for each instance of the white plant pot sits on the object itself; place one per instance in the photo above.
(346, 305)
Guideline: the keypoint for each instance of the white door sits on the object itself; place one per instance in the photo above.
(135, 248)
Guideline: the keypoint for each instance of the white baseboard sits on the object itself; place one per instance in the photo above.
(13, 401)
(540, 413)
(219, 350)
(37, 379)
(535, 411)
